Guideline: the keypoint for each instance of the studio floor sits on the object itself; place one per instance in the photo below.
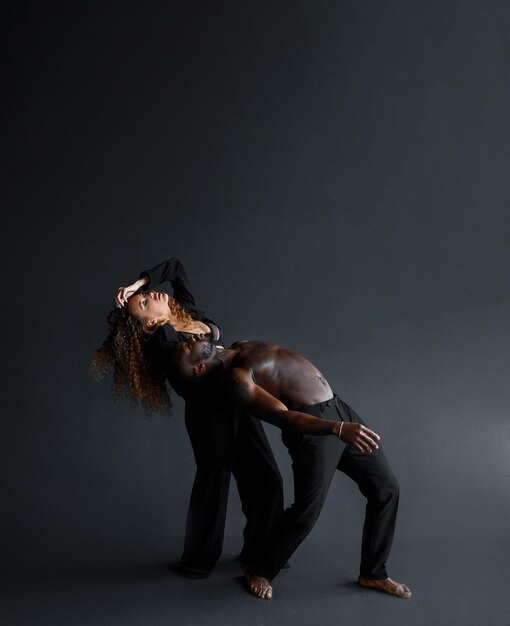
(453, 584)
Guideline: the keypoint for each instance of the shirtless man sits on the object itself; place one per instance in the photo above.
(285, 389)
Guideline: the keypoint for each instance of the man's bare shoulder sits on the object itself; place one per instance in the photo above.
(251, 352)
(254, 345)
(239, 381)
(239, 343)
(251, 355)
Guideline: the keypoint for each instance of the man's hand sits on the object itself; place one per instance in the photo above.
(359, 436)
(123, 293)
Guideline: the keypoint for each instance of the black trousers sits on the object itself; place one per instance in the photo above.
(226, 442)
(314, 461)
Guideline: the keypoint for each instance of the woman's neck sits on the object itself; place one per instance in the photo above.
(192, 326)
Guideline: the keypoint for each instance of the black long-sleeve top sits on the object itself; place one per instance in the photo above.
(172, 270)
(211, 424)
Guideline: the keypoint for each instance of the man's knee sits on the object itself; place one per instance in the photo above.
(274, 482)
(387, 491)
(269, 492)
(305, 514)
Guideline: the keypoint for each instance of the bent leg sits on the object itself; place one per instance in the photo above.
(314, 461)
(378, 484)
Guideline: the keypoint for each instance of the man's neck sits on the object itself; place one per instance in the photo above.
(225, 355)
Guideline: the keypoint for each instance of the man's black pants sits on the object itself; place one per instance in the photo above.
(314, 461)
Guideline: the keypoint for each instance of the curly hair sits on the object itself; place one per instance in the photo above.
(129, 356)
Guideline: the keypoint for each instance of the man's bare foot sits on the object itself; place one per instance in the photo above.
(258, 586)
(387, 585)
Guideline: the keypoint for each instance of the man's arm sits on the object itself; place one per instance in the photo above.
(266, 407)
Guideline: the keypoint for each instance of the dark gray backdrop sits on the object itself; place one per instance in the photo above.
(333, 176)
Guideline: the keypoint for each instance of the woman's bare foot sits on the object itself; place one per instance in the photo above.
(387, 585)
(258, 586)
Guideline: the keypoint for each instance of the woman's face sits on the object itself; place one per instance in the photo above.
(149, 307)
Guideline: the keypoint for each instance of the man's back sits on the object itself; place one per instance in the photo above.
(287, 376)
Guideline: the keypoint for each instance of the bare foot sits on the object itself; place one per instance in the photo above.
(387, 585)
(259, 586)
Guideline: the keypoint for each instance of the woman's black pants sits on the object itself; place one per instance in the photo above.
(314, 461)
(226, 442)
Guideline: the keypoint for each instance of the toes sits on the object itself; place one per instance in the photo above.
(261, 591)
(403, 591)
(257, 590)
(264, 592)
(258, 586)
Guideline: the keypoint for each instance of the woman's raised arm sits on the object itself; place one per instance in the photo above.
(122, 294)
(171, 270)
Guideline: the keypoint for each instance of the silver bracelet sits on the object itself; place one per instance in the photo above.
(340, 431)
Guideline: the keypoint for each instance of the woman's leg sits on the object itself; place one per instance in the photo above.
(205, 523)
(211, 431)
(259, 483)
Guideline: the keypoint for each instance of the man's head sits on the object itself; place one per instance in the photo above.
(192, 360)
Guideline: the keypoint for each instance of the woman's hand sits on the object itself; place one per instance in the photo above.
(359, 436)
(123, 293)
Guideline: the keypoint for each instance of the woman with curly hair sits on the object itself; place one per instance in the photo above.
(143, 330)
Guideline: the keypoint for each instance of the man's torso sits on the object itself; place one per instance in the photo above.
(287, 376)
